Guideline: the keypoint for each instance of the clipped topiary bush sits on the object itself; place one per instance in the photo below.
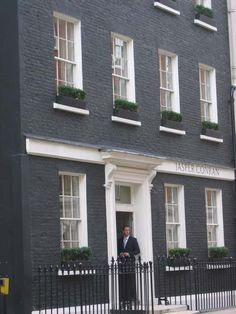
(200, 9)
(218, 252)
(210, 125)
(73, 92)
(76, 254)
(125, 104)
(179, 252)
(171, 115)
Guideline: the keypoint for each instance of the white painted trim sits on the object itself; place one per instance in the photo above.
(81, 272)
(76, 152)
(211, 139)
(70, 109)
(141, 180)
(197, 169)
(126, 121)
(131, 93)
(170, 130)
(205, 25)
(181, 268)
(220, 219)
(78, 73)
(181, 212)
(166, 8)
(45, 148)
(207, 3)
(213, 91)
(232, 38)
(175, 98)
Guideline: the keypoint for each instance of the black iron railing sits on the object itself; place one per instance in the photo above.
(123, 286)
(201, 285)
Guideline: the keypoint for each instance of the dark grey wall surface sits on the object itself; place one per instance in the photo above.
(45, 214)
(195, 213)
(151, 29)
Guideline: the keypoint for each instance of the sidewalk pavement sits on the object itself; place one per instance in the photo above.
(228, 311)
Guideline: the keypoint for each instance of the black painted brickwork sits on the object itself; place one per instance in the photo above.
(151, 29)
(195, 213)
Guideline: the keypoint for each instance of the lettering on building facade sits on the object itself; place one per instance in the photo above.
(197, 169)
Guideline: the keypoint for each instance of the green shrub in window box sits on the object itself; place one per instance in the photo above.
(71, 96)
(211, 129)
(171, 119)
(126, 109)
(218, 252)
(204, 14)
(71, 255)
(178, 257)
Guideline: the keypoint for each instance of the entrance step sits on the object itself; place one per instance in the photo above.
(172, 309)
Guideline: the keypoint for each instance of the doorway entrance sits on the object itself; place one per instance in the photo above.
(123, 219)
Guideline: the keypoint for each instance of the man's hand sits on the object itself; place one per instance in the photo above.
(126, 254)
(121, 254)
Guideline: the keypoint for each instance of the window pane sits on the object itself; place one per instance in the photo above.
(123, 194)
(62, 46)
(69, 74)
(65, 230)
(74, 230)
(75, 186)
(67, 185)
(67, 207)
(70, 31)
(76, 207)
(70, 51)
(61, 71)
(62, 29)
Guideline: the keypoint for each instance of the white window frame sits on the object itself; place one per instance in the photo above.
(182, 242)
(220, 221)
(131, 96)
(175, 99)
(83, 225)
(122, 206)
(205, 3)
(78, 69)
(213, 92)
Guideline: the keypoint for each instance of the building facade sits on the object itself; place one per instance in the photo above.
(73, 176)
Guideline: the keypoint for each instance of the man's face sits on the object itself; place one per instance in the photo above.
(126, 232)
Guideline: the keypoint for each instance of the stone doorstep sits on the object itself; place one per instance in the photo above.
(162, 309)
(187, 312)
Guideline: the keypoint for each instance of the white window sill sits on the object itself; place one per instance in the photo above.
(126, 121)
(205, 25)
(181, 268)
(166, 8)
(77, 272)
(211, 139)
(173, 131)
(70, 109)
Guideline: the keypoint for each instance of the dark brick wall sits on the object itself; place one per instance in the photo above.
(195, 213)
(151, 29)
(44, 207)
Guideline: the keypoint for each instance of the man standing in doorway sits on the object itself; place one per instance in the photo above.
(127, 245)
(128, 248)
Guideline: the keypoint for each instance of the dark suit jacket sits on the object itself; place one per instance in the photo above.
(131, 247)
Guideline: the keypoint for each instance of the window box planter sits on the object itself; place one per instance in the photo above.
(219, 263)
(211, 133)
(71, 102)
(205, 19)
(171, 124)
(126, 114)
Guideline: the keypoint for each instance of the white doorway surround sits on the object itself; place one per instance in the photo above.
(137, 171)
